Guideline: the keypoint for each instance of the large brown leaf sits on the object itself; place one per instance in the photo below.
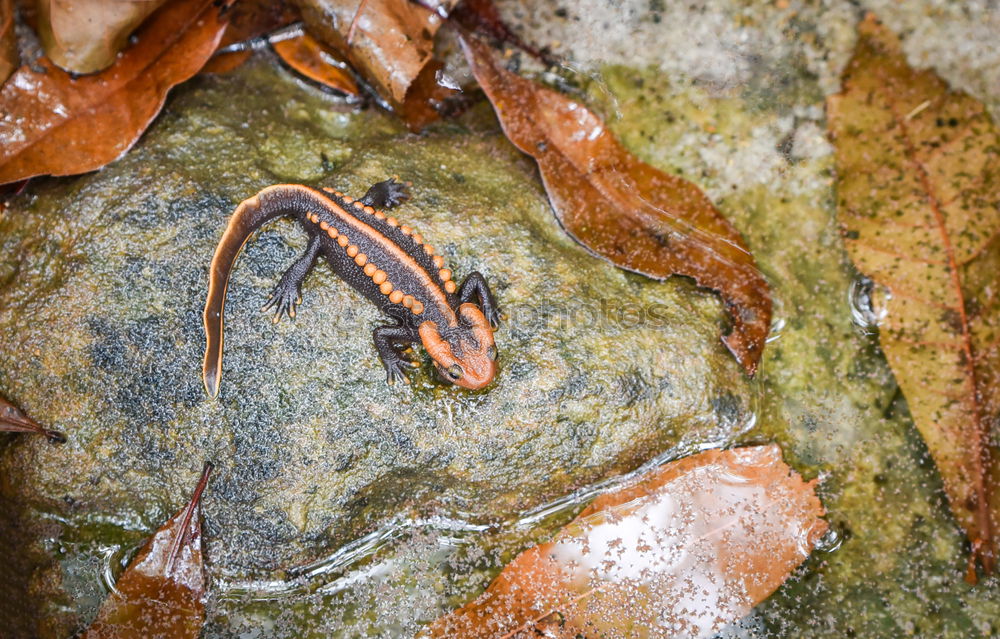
(161, 593)
(84, 36)
(631, 214)
(13, 420)
(53, 124)
(691, 548)
(919, 199)
(8, 40)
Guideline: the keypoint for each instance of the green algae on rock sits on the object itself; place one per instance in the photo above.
(104, 279)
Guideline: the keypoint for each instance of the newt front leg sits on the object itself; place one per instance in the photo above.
(386, 339)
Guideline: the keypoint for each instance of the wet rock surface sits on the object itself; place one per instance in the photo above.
(104, 284)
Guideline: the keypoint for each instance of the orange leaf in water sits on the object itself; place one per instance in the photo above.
(161, 593)
(692, 547)
(84, 36)
(317, 62)
(13, 420)
(51, 123)
(631, 214)
(8, 40)
(918, 181)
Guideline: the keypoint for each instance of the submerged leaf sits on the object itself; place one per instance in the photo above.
(84, 36)
(317, 62)
(161, 593)
(8, 40)
(691, 548)
(619, 208)
(918, 169)
(13, 420)
(51, 123)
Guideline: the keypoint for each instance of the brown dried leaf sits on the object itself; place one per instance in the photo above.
(918, 170)
(53, 124)
(13, 420)
(631, 214)
(317, 62)
(161, 593)
(388, 41)
(8, 40)
(84, 36)
(691, 548)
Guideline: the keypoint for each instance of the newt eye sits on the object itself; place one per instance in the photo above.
(455, 371)
(491, 352)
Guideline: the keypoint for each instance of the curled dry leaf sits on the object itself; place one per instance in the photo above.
(161, 593)
(317, 62)
(53, 124)
(918, 181)
(13, 420)
(390, 43)
(387, 41)
(691, 548)
(84, 36)
(8, 40)
(619, 208)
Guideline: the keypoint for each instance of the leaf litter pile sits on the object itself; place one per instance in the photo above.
(678, 553)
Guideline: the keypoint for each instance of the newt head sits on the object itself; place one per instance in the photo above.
(465, 355)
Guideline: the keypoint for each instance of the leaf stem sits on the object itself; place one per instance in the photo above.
(182, 539)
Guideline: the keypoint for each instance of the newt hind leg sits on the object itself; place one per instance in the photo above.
(386, 194)
(288, 293)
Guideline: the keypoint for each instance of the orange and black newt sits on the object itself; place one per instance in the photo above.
(386, 261)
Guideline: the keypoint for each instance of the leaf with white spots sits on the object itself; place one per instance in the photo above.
(918, 181)
(161, 593)
(690, 548)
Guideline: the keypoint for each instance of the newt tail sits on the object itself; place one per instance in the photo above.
(386, 261)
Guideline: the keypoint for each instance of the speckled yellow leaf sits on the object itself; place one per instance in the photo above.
(918, 188)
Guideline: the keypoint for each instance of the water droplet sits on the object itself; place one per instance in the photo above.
(831, 541)
(865, 313)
